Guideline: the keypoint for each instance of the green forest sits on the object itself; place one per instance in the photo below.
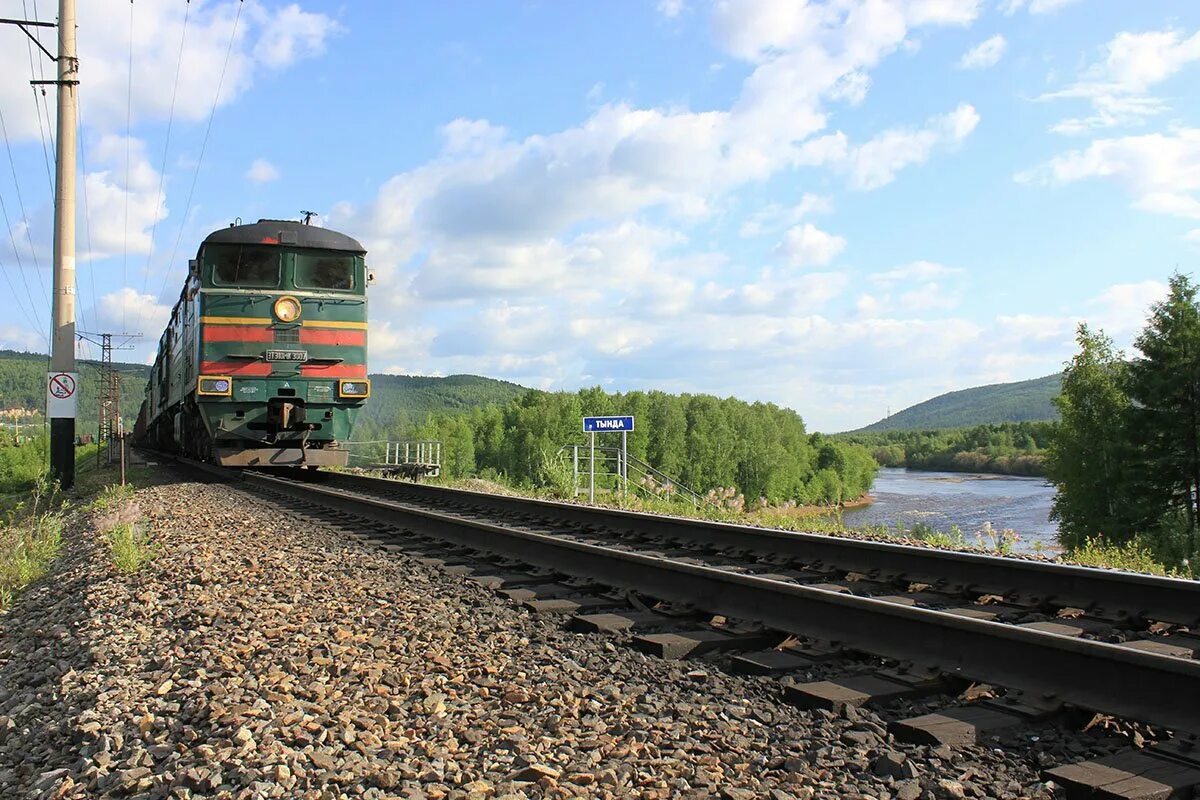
(1008, 448)
(23, 382)
(759, 450)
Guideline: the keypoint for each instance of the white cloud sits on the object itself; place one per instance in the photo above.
(129, 310)
(1192, 237)
(985, 54)
(875, 163)
(267, 39)
(17, 337)
(808, 246)
(1121, 310)
(916, 288)
(773, 216)
(262, 171)
(671, 9)
(1161, 171)
(1118, 87)
(120, 214)
(1034, 6)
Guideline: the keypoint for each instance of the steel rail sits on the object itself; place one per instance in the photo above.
(1098, 591)
(1157, 689)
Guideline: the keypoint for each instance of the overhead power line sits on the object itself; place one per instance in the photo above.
(203, 146)
(162, 169)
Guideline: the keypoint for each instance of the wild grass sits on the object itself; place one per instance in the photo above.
(30, 540)
(1132, 556)
(130, 547)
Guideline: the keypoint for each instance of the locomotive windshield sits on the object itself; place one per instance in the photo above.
(324, 271)
(253, 267)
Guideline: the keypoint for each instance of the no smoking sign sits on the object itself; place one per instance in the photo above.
(61, 394)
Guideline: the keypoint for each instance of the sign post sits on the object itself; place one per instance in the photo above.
(61, 395)
(621, 424)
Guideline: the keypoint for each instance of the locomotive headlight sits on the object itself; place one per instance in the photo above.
(356, 388)
(287, 309)
(214, 385)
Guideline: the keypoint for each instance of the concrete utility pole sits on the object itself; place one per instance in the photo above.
(62, 353)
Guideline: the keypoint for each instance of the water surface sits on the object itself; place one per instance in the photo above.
(968, 500)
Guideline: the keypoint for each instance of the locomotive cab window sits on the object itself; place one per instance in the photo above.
(325, 271)
(249, 267)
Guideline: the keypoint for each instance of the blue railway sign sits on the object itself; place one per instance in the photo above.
(607, 424)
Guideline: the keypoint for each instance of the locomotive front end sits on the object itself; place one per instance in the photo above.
(281, 366)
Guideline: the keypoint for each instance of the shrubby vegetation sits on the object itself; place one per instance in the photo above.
(1010, 448)
(1126, 457)
(758, 449)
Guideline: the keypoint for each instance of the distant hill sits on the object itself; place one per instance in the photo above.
(1022, 401)
(396, 400)
(23, 380)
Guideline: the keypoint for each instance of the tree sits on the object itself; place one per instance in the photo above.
(1089, 458)
(1165, 387)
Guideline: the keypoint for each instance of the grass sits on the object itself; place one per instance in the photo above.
(130, 548)
(30, 540)
(1131, 556)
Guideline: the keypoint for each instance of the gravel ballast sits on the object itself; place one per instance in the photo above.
(263, 656)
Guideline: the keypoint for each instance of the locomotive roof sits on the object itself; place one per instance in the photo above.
(285, 232)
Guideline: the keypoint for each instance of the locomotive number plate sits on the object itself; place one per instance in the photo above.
(287, 355)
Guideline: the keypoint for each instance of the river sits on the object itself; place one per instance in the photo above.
(968, 500)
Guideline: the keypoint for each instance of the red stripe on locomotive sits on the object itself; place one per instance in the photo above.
(237, 333)
(334, 371)
(336, 337)
(241, 369)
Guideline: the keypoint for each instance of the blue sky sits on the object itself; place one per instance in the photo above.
(842, 206)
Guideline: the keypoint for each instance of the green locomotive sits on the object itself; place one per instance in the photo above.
(264, 360)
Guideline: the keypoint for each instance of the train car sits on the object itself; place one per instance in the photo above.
(264, 360)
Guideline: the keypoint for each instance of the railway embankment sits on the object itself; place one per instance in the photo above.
(261, 655)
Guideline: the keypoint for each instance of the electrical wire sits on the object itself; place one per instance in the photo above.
(128, 138)
(203, 146)
(8, 223)
(162, 170)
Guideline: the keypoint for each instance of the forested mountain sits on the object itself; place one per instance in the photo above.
(1022, 401)
(23, 382)
(398, 402)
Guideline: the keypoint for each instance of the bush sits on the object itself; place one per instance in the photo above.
(556, 474)
(130, 547)
(1135, 555)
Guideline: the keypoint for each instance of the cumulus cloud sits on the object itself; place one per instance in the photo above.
(121, 208)
(262, 171)
(129, 310)
(808, 246)
(876, 162)
(1118, 87)
(267, 39)
(584, 255)
(985, 54)
(1160, 170)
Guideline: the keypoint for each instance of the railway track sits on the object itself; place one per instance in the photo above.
(1049, 637)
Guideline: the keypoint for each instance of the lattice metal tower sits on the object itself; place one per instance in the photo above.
(109, 394)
